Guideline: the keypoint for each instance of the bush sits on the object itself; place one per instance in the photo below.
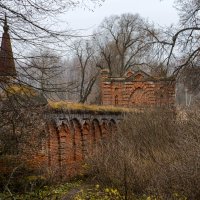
(21, 179)
(153, 152)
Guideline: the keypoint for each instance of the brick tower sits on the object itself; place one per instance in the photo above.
(7, 64)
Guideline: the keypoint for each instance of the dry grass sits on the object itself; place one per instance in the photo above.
(20, 90)
(152, 153)
(98, 108)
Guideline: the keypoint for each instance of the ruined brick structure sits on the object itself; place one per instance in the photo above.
(73, 136)
(70, 135)
(137, 89)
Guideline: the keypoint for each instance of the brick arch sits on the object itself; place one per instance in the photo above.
(87, 137)
(112, 121)
(105, 127)
(112, 126)
(77, 139)
(62, 147)
(69, 138)
(66, 137)
(96, 130)
(54, 149)
(74, 147)
(147, 97)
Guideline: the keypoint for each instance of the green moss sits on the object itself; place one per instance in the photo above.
(44, 193)
(84, 107)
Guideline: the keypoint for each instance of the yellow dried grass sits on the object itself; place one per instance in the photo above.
(21, 90)
(78, 106)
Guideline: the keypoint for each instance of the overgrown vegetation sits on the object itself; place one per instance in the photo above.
(21, 141)
(42, 191)
(154, 153)
(84, 107)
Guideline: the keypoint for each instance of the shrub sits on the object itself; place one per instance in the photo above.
(153, 153)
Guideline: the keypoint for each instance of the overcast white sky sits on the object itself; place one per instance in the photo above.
(159, 12)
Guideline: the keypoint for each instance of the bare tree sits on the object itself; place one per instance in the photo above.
(180, 44)
(36, 25)
(123, 43)
(177, 48)
(84, 64)
(33, 22)
(46, 71)
(33, 25)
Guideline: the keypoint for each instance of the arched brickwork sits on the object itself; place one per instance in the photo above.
(87, 137)
(112, 126)
(65, 147)
(54, 151)
(137, 89)
(105, 127)
(96, 130)
(77, 139)
(71, 140)
(76, 147)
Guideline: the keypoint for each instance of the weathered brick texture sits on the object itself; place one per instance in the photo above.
(71, 140)
(73, 136)
(137, 89)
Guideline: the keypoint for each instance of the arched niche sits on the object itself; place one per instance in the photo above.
(87, 136)
(105, 127)
(54, 148)
(77, 140)
(112, 126)
(66, 140)
(96, 130)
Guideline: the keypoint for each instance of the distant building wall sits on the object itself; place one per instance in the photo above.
(137, 89)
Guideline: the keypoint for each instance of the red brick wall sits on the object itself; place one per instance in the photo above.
(138, 91)
(71, 142)
(64, 150)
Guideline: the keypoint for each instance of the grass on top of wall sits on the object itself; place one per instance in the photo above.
(17, 89)
(82, 107)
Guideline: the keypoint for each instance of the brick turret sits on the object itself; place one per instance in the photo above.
(7, 64)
